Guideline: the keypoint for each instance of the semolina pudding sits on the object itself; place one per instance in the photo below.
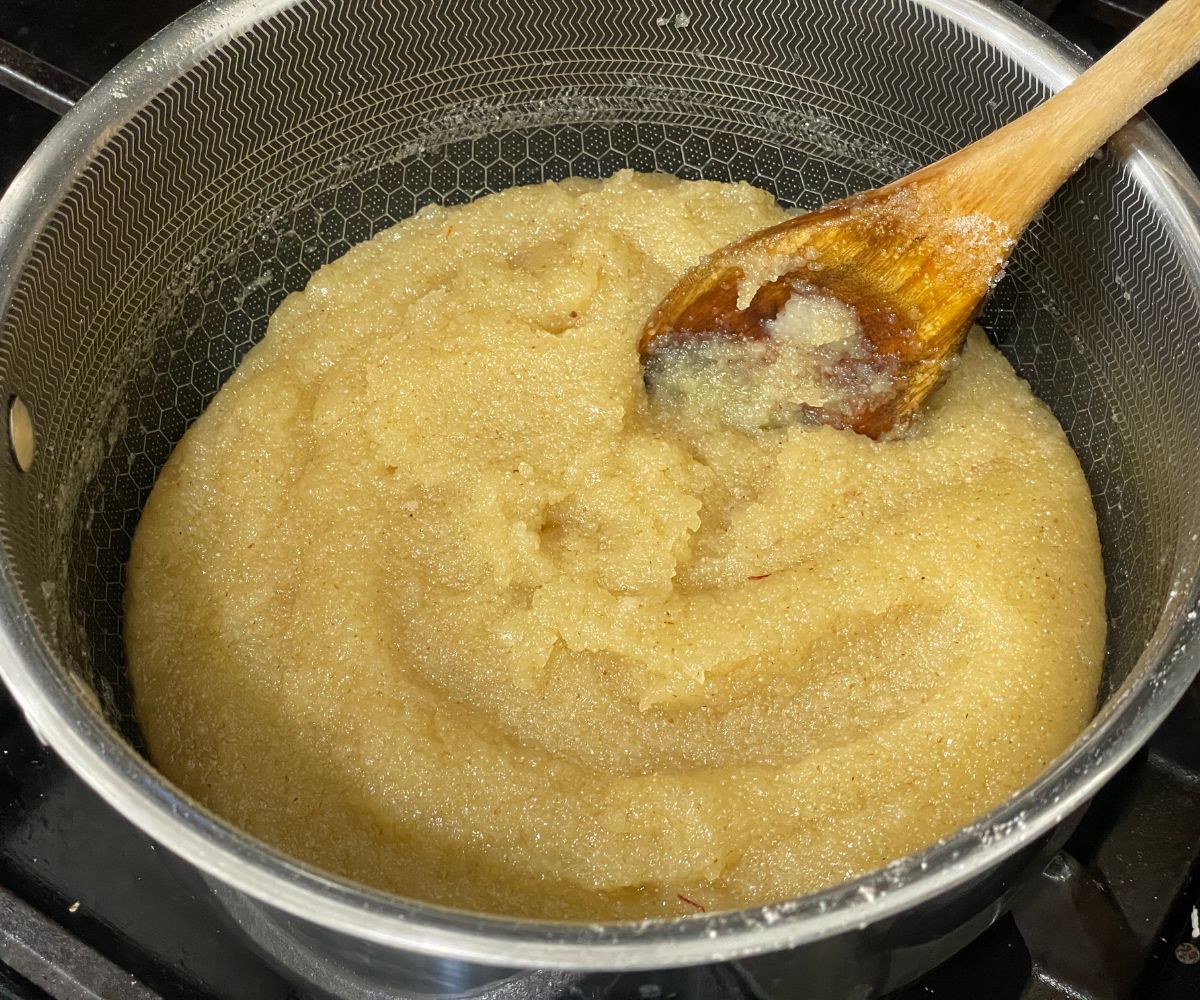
(435, 597)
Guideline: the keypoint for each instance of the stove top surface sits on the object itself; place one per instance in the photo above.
(90, 907)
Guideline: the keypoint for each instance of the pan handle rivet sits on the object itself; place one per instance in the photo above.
(20, 433)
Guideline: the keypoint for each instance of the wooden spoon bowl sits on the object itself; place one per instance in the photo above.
(916, 259)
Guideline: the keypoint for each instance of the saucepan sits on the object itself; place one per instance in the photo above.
(151, 235)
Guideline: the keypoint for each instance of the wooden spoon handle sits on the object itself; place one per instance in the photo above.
(1011, 173)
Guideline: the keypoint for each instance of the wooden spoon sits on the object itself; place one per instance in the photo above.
(916, 258)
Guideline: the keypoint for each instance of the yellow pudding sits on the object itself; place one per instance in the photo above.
(435, 597)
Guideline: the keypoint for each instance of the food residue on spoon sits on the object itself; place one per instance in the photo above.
(813, 357)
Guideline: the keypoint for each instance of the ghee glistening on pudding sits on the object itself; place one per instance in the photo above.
(434, 595)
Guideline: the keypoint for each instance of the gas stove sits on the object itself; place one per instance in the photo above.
(91, 908)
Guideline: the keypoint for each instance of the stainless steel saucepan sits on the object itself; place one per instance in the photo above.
(148, 239)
